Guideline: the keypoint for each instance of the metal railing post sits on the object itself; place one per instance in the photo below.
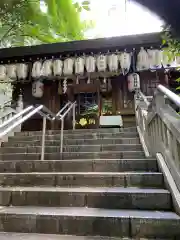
(62, 132)
(74, 116)
(43, 138)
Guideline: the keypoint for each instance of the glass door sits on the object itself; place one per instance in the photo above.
(87, 110)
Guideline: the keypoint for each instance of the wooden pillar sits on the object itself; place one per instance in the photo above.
(71, 98)
(119, 96)
(52, 101)
(114, 91)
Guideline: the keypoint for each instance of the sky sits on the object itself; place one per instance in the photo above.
(118, 17)
(115, 18)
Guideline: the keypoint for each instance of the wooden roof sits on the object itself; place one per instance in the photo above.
(80, 47)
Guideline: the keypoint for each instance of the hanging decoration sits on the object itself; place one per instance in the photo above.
(2, 72)
(68, 66)
(142, 60)
(101, 63)
(47, 68)
(65, 85)
(22, 71)
(155, 58)
(133, 82)
(77, 80)
(125, 62)
(90, 64)
(166, 62)
(57, 67)
(158, 58)
(79, 65)
(60, 88)
(37, 89)
(11, 71)
(113, 62)
(152, 58)
(37, 69)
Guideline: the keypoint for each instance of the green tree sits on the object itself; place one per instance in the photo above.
(171, 42)
(172, 46)
(24, 23)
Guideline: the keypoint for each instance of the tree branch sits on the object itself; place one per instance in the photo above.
(6, 34)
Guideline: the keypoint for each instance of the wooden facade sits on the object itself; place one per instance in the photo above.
(118, 96)
(112, 93)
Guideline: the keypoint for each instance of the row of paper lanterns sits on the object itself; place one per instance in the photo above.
(13, 71)
(146, 59)
(80, 65)
(38, 86)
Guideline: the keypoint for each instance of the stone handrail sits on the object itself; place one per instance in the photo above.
(158, 126)
(7, 111)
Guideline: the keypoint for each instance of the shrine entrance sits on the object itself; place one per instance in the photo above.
(87, 111)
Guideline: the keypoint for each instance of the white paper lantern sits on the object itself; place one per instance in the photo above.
(47, 68)
(166, 62)
(125, 62)
(57, 67)
(37, 89)
(133, 82)
(68, 66)
(22, 71)
(155, 58)
(152, 58)
(158, 58)
(90, 63)
(102, 63)
(37, 69)
(2, 72)
(113, 62)
(142, 60)
(11, 71)
(79, 65)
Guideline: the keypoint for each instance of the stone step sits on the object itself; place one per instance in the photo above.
(73, 148)
(97, 165)
(68, 179)
(79, 131)
(85, 135)
(111, 198)
(35, 236)
(90, 221)
(73, 142)
(74, 155)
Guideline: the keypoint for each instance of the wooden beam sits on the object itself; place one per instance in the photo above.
(79, 47)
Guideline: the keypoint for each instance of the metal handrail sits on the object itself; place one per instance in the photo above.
(72, 106)
(46, 114)
(171, 96)
(66, 106)
(17, 123)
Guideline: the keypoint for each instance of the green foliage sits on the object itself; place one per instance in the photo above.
(172, 44)
(23, 22)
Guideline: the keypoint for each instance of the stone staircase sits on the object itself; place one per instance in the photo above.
(101, 187)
